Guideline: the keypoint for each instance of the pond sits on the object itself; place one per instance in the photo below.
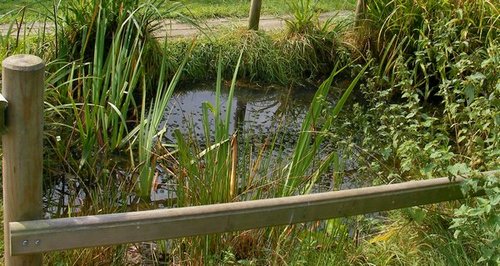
(258, 113)
(255, 110)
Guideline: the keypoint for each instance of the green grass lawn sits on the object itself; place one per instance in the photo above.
(193, 8)
(15, 6)
(240, 8)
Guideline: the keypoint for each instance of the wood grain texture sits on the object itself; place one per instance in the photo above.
(79, 232)
(23, 87)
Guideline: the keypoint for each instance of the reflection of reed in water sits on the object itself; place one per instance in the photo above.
(257, 111)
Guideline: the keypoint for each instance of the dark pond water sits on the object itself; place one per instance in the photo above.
(254, 110)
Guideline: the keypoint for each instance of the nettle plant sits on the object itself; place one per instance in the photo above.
(478, 221)
(432, 96)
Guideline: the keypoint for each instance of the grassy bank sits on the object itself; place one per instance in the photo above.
(238, 8)
(279, 58)
(427, 79)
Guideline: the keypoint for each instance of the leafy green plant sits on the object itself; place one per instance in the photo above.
(429, 109)
(477, 222)
(432, 89)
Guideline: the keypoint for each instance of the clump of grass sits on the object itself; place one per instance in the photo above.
(269, 58)
(412, 236)
(305, 16)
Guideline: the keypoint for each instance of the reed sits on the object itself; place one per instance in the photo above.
(149, 134)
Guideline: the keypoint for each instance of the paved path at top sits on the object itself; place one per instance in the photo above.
(174, 28)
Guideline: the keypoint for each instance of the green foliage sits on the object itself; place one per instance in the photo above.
(432, 90)
(98, 98)
(17, 37)
(101, 93)
(409, 237)
(305, 17)
(191, 8)
(429, 109)
(147, 130)
(313, 133)
(478, 221)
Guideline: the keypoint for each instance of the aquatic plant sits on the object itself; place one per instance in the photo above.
(312, 136)
(148, 132)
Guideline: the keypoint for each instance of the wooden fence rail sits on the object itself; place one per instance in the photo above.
(26, 237)
(67, 233)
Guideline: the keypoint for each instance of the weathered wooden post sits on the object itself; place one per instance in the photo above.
(253, 21)
(360, 12)
(23, 87)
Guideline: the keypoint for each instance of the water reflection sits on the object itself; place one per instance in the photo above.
(259, 111)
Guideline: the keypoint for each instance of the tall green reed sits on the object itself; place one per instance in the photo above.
(148, 133)
(105, 90)
(314, 132)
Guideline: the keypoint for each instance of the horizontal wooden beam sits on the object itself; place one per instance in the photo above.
(100, 230)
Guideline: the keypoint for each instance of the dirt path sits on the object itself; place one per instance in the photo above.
(173, 28)
(267, 23)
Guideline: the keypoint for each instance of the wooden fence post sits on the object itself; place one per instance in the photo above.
(360, 13)
(253, 21)
(23, 87)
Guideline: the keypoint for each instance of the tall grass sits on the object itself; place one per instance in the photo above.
(101, 93)
(19, 35)
(413, 236)
(148, 131)
(305, 16)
